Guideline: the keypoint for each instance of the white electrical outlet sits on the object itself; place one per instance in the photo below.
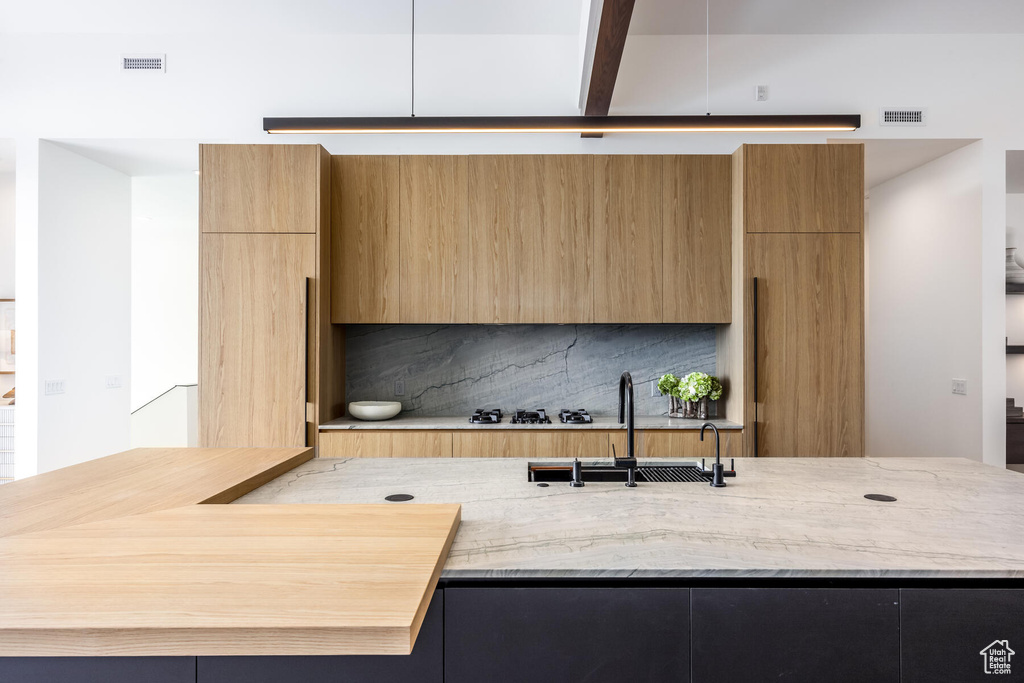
(760, 93)
(654, 388)
(400, 387)
(960, 387)
(53, 386)
(114, 382)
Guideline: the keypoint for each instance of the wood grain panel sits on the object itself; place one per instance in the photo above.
(533, 444)
(697, 239)
(531, 243)
(804, 188)
(365, 232)
(227, 580)
(253, 337)
(434, 239)
(362, 443)
(628, 261)
(662, 443)
(259, 188)
(810, 340)
(137, 481)
(328, 389)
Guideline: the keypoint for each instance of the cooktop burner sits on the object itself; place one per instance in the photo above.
(486, 417)
(575, 417)
(530, 417)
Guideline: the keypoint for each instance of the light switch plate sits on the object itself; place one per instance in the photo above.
(400, 387)
(960, 387)
(53, 386)
(114, 382)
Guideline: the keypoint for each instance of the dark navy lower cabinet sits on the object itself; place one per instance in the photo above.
(561, 635)
(97, 669)
(962, 635)
(424, 665)
(795, 635)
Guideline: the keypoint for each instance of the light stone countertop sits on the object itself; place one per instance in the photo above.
(447, 423)
(780, 517)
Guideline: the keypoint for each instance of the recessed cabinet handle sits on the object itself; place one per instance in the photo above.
(305, 377)
(756, 398)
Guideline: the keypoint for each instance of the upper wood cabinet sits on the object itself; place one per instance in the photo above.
(434, 240)
(531, 239)
(803, 188)
(697, 242)
(628, 262)
(254, 313)
(259, 188)
(365, 239)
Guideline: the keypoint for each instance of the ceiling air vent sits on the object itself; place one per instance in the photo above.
(143, 63)
(903, 117)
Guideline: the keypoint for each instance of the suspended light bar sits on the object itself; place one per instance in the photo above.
(562, 124)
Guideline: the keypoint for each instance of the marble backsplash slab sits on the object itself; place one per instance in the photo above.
(454, 369)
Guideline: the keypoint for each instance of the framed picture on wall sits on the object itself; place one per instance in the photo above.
(7, 340)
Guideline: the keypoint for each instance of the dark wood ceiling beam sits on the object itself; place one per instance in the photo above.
(606, 37)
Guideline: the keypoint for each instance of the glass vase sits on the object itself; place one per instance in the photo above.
(702, 408)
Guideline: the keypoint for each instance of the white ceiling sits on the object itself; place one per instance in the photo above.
(291, 16)
(886, 159)
(679, 17)
(1015, 172)
(138, 157)
(662, 17)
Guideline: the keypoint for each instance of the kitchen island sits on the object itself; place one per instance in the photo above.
(788, 573)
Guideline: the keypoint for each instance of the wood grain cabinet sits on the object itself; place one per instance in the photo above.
(255, 344)
(628, 266)
(434, 231)
(679, 444)
(697, 239)
(533, 444)
(365, 239)
(364, 443)
(803, 188)
(259, 188)
(531, 238)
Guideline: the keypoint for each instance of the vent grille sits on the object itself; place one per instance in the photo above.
(903, 117)
(142, 63)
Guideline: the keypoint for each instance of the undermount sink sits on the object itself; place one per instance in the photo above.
(677, 472)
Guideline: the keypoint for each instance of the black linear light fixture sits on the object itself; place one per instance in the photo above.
(369, 125)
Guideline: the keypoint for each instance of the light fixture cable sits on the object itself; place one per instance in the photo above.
(412, 64)
(707, 57)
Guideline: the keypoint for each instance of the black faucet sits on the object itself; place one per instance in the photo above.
(718, 469)
(626, 415)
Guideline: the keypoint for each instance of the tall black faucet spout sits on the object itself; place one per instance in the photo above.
(627, 416)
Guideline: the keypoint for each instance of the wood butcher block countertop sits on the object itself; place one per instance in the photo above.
(115, 557)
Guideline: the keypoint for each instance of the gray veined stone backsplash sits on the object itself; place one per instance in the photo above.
(453, 369)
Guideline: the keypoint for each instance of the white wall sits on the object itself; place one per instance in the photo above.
(169, 421)
(217, 88)
(84, 307)
(923, 321)
(6, 255)
(164, 284)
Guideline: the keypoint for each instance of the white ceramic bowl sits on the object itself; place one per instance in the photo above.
(374, 410)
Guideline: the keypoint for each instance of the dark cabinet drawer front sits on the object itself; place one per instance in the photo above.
(795, 635)
(98, 669)
(945, 631)
(424, 665)
(537, 635)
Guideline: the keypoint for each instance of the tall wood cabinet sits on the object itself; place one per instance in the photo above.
(795, 356)
(269, 359)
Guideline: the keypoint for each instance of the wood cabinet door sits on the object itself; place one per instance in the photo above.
(697, 254)
(254, 340)
(628, 259)
(803, 188)
(809, 341)
(259, 188)
(434, 239)
(534, 444)
(531, 242)
(683, 445)
(362, 443)
(365, 240)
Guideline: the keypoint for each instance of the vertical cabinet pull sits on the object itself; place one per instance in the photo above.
(756, 353)
(305, 378)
